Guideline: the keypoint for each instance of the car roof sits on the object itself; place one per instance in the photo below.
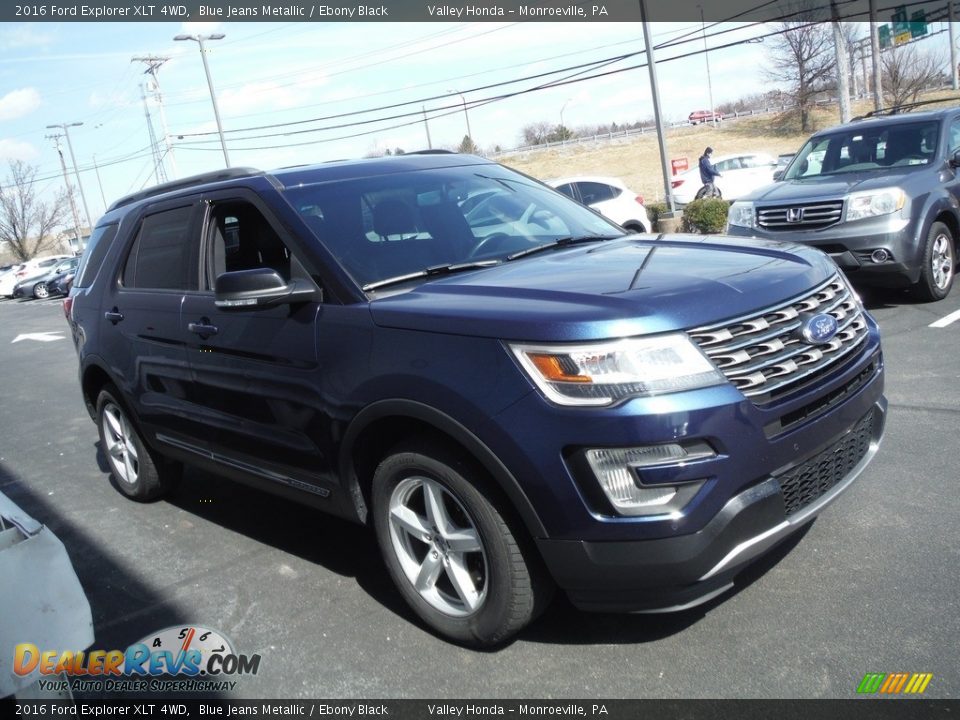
(299, 175)
(884, 120)
(617, 182)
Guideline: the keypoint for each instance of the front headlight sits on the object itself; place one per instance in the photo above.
(604, 373)
(741, 214)
(870, 203)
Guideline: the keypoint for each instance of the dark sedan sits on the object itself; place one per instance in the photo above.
(38, 285)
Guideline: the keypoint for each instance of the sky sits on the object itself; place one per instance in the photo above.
(294, 73)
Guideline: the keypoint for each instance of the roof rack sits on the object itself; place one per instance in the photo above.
(183, 183)
(432, 151)
(897, 109)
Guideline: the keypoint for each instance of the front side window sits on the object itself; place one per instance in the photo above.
(239, 237)
(160, 256)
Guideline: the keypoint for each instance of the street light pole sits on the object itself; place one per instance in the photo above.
(66, 182)
(73, 159)
(465, 114)
(199, 39)
(563, 138)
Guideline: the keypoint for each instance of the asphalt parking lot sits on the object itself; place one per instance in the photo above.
(872, 586)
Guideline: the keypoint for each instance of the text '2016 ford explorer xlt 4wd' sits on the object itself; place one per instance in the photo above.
(513, 394)
(880, 195)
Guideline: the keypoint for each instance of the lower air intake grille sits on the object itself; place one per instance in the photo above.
(805, 483)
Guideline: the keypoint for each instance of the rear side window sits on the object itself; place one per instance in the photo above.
(93, 255)
(160, 257)
(593, 192)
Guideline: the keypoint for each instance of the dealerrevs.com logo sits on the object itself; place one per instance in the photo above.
(178, 658)
(894, 683)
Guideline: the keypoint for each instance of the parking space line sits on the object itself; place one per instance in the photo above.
(944, 321)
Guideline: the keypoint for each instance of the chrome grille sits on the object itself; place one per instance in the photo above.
(807, 217)
(765, 356)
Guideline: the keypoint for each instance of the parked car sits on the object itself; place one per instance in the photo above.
(61, 284)
(739, 175)
(36, 286)
(609, 197)
(26, 270)
(632, 419)
(880, 195)
(43, 604)
(702, 116)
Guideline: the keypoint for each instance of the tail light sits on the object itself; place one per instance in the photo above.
(676, 183)
(639, 199)
(67, 306)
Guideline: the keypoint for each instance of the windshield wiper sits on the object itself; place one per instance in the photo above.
(431, 271)
(561, 242)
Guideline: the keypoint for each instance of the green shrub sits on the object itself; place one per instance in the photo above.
(654, 211)
(706, 216)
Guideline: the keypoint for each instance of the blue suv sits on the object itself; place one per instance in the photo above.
(514, 393)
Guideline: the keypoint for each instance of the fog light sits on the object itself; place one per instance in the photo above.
(880, 256)
(615, 470)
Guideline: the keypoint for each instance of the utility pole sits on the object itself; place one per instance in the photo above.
(66, 182)
(706, 56)
(843, 67)
(158, 170)
(153, 63)
(875, 52)
(658, 118)
(953, 48)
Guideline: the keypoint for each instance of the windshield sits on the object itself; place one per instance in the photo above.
(387, 226)
(876, 149)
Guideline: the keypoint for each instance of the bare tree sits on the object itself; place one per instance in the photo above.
(27, 223)
(537, 133)
(907, 72)
(802, 59)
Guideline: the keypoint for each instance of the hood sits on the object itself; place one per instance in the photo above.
(827, 186)
(629, 286)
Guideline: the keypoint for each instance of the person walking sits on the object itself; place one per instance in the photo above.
(707, 173)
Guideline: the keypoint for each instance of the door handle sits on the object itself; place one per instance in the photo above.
(113, 316)
(203, 328)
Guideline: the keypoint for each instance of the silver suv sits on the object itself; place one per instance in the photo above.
(881, 196)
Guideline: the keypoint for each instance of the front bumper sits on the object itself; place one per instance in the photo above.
(852, 244)
(676, 573)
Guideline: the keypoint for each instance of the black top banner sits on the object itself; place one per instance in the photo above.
(440, 11)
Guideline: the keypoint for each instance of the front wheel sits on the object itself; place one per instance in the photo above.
(451, 552)
(939, 261)
(137, 471)
(40, 291)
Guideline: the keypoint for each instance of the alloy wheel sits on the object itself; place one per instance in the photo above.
(121, 447)
(942, 261)
(438, 546)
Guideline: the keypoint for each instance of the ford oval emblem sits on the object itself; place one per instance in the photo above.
(819, 329)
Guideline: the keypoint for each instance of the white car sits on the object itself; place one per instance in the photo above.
(739, 176)
(36, 266)
(609, 197)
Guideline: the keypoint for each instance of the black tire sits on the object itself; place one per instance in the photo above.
(704, 192)
(136, 470)
(480, 596)
(40, 291)
(939, 264)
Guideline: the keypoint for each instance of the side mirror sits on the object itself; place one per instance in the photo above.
(260, 287)
(955, 160)
(778, 175)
